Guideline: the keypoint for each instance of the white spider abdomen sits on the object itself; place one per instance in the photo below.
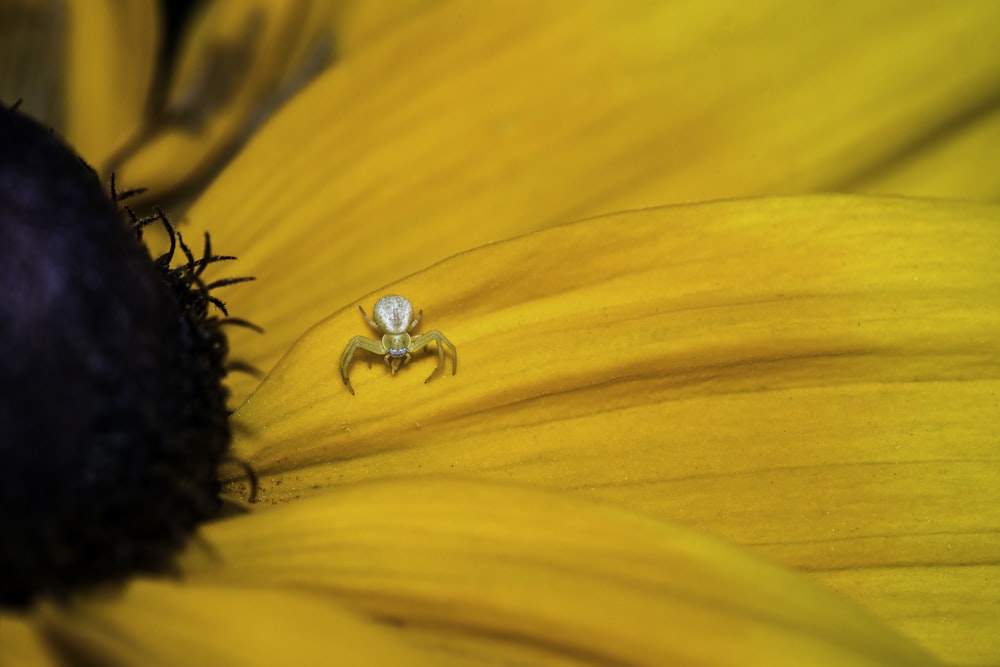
(393, 314)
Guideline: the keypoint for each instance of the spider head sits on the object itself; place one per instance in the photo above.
(397, 347)
(397, 350)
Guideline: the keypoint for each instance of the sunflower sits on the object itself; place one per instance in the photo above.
(722, 280)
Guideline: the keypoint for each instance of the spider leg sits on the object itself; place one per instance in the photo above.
(415, 321)
(423, 340)
(348, 354)
(369, 320)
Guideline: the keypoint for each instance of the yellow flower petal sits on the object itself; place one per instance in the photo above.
(20, 643)
(111, 58)
(154, 623)
(470, 123)
(241, 59)
(81, 66)
(361, 23)
(949, 165)
(814, 376)
(475, 560)
(31, 59)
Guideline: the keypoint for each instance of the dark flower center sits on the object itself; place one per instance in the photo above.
(112, 414)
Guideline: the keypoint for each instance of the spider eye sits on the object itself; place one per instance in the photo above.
(398, 353)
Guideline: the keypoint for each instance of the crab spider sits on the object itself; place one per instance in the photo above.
(394, 319)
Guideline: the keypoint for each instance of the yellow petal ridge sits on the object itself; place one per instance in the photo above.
(469, 123)
(714, 364)
(156, 623)
(543, 569)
